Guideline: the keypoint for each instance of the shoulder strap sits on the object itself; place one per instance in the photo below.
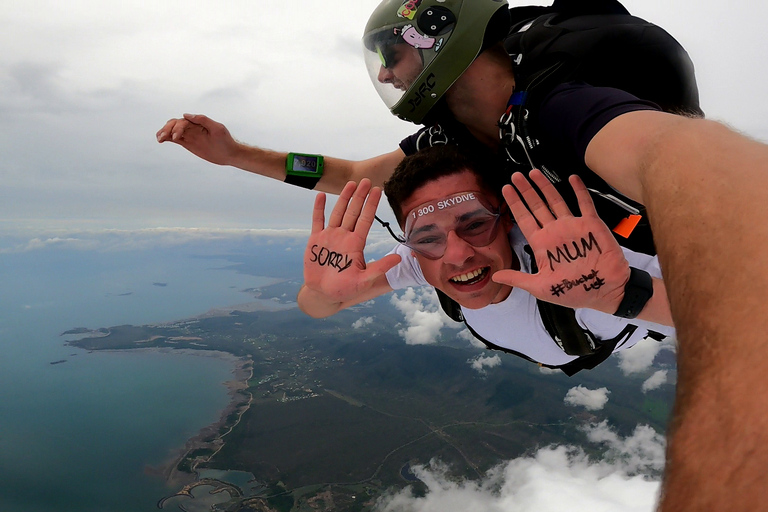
(584, 362)
(561, 325)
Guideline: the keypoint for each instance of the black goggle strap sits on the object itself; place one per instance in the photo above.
(386, 225)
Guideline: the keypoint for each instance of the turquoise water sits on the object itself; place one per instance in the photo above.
(80, 435)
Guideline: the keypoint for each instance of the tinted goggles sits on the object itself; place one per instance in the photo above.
(467, 214)
(389, 55)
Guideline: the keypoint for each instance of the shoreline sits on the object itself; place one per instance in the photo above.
(209, 437)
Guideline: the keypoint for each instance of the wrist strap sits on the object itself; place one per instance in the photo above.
(637, 292)
(302, 181)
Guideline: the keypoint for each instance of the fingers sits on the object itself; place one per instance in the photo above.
(515, 279)
(383, 265)
(355, 206)
(368, 214)
(535, 204)
(337, 214)
(586, 205)
(173, 130)
(351, 203)
(318, 214)
(555, 201)
(523, 217)
(164, 134)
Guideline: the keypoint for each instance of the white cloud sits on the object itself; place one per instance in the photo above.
(554, 479)
(480, 363)
(98, 79)
(362, 322)
(641, 453)
(137, 239)
(592, 399)
(466, 335)
(655, 381)
(422, 313)
(640, 357)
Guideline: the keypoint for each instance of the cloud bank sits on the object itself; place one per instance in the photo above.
(554, 479)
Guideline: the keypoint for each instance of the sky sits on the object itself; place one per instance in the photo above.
(85, 85)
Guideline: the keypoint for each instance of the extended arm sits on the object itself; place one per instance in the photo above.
(706, 191)
(336, 274)
(580, 264)
(212, 141)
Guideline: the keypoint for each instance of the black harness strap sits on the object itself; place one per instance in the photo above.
(584, 362)
(561, 325)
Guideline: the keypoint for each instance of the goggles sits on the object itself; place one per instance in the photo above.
(467, 214)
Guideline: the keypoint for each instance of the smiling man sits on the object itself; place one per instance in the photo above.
(460, 238)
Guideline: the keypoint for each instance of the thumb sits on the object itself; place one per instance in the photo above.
(383, 265)
(515, 279)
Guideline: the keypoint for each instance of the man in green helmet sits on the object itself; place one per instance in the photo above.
(704, 186)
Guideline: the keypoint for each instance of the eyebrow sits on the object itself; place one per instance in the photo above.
(422, 229)
(461, 218)
(472, 214)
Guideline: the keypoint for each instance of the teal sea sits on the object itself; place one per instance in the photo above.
(82, 433)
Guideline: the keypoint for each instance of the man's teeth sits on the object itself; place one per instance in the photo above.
(463, 278)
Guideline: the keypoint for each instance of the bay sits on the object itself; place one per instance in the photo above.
(80, 434)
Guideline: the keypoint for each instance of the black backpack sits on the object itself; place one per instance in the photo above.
(600, 43)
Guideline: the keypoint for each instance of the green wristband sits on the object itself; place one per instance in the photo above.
(303, 170)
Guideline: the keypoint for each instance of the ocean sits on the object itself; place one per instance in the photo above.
(81, 434)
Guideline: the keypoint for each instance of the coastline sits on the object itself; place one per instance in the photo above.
(209, 439)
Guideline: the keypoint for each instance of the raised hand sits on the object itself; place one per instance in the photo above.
(334, 264)
(580, 264)
(202, 137)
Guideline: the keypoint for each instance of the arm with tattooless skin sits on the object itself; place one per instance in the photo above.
(212, 141)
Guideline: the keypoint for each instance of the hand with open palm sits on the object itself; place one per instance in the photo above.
(580, 264)
(334, 263)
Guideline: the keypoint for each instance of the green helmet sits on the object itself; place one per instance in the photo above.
(416, 49)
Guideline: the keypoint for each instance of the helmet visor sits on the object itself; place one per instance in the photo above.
(467, 214)
(399, 51)
(393, 68)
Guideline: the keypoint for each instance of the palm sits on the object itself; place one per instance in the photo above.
(579, 262)
(334, 262)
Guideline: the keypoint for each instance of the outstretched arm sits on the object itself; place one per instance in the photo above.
(336, 274)
(706, 191)
(580, 264)
(212, 141)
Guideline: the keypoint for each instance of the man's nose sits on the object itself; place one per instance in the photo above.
(457, 250)
(385, 75)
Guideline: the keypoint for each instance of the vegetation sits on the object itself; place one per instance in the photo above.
(337, 412)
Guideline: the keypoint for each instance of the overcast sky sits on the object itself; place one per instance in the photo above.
(84, 86)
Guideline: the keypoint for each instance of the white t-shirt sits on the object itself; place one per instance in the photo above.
(516, 324)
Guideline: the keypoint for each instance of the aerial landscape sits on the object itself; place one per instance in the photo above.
(325, 415)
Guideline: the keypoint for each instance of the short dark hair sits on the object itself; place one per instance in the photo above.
(432, 163)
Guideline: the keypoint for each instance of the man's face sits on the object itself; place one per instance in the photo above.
(401, 66)
(464, 271)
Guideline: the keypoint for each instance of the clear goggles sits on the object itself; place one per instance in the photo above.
(467, 214)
